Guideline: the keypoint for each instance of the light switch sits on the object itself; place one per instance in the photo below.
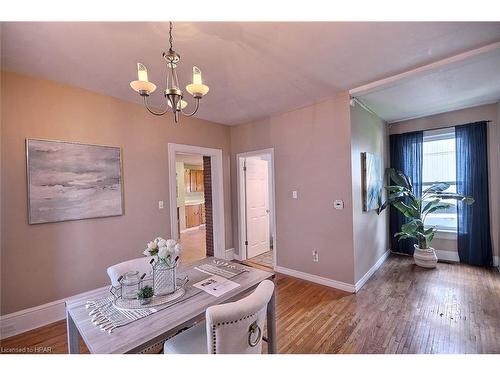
(338, 204)
(295, 194)
(160, 205)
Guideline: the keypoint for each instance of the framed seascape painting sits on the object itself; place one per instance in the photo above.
(72, 181)
(371, 166)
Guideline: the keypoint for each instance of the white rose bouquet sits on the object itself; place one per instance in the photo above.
(168, 251)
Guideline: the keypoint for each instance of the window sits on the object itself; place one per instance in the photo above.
(439, 165)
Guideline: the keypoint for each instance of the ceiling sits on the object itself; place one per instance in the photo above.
(254, 69)
(465, 80)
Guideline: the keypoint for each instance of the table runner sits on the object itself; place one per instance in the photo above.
(108, 317)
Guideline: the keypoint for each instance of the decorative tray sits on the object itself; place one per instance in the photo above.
(132, 304)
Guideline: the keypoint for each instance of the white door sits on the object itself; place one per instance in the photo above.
(257, 206)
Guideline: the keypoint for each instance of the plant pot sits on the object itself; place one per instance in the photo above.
(426, 258)
(146, 301)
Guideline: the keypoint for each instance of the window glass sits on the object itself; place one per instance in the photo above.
(439, 165)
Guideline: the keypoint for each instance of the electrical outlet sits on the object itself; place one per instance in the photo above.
(338, 204)
(295, 195)
(160, 205)
(315, 256)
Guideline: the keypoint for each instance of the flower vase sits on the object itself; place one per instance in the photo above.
(164, 278)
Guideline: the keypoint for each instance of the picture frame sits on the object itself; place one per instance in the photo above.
(72, 181)
(372, 181)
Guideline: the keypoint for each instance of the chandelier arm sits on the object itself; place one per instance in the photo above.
(151, 111)
(195, 109)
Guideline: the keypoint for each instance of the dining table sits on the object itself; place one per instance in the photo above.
(152, 331)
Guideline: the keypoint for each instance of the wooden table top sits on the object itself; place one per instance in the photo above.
(141, 333)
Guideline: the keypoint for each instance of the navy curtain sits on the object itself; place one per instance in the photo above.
(406, 156)
(474, 240)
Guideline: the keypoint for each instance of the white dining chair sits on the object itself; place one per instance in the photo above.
(141, 265)
(230, 328)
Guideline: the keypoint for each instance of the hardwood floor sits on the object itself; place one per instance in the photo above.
(264, 259)
(402, 309)
(193, 245)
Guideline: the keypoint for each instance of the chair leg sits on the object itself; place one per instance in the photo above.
(271, 326)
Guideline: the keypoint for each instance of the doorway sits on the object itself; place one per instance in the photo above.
(196, 201)
(257, 229)
(192, 201)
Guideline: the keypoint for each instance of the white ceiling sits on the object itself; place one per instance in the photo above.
(253, 69)
(466, 80)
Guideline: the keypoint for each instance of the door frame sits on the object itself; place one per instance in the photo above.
(217, 192)
(242, 250)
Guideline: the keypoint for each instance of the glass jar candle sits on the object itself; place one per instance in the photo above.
(130, 285)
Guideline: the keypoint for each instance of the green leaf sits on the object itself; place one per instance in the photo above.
(409, 228)
(399, 178)
(429, 230)
(429, 237)
(430, 204)
(437, 187)
(395, 188)
(403, 236)
(439, 206)
(382, 207)
(455, 196)
(404, 209)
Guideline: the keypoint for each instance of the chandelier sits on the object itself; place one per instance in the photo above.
(172, 92)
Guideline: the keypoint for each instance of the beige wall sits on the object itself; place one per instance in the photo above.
(485, 112)
(369, 134)
(312, 151)
(46, 262)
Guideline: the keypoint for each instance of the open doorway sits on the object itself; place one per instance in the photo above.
(196, 201)
(256, 207)
(192, 203)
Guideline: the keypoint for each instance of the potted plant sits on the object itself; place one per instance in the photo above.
(401, 196)
(145, 295)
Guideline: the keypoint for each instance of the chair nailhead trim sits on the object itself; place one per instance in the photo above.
(214, 326)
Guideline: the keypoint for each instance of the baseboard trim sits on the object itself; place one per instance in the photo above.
(447, 256)
(316, 279)
(34, 317)
(229, 254)
(371, 271)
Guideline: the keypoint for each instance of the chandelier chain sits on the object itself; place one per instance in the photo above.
(170, 36)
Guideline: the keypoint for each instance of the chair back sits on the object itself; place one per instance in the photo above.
(238, 327)
(141, 265)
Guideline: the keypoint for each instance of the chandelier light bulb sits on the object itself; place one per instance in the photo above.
(142, 72)
(197, 88)
(182, 104)
(197, 76)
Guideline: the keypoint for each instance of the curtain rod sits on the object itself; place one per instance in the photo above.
(442, 127)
